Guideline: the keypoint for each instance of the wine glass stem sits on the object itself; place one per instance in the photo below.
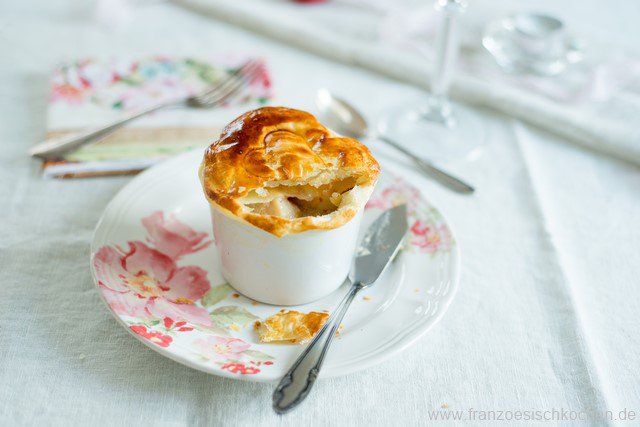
(446, 52)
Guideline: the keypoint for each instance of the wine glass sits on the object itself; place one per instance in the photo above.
(434, 127)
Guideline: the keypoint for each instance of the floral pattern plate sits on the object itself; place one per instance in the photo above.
(155, 267)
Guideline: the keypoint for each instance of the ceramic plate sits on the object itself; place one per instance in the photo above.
(155, 267)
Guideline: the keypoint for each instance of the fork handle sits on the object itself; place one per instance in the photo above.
(55, 147)
(298, 381)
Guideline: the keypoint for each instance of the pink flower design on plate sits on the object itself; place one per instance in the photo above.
(172, 237)
(170, 325)
(143, 282)
(430, 237)
(393, 196)
(153, 336)
(221, 348)
(240, 368)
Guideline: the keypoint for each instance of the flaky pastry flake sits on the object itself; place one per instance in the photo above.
(291, 326)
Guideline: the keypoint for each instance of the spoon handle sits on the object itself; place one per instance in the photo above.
(298, 381)
(433, 171)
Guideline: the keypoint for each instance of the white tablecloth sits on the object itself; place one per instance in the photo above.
(546, 317)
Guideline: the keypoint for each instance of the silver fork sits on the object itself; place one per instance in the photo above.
(217, 94)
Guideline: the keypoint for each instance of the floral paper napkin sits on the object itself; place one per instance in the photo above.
(89, 93)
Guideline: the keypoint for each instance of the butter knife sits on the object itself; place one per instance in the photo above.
(379, 245)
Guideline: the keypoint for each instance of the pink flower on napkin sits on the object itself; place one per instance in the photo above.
(172, 237)
(143, 282)
(221, 348)
(67, 92)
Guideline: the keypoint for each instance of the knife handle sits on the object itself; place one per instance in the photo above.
(298, 381)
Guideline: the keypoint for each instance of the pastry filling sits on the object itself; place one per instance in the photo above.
(291, 199)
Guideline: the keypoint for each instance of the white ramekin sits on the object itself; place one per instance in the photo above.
(289, 270)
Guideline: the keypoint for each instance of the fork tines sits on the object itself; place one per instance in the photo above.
(231, 83)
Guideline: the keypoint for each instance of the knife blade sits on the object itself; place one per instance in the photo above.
(379, 246)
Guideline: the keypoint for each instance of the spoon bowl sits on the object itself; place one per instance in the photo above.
(340, 115)
(345, 119)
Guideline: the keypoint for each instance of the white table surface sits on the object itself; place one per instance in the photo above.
(546, 316)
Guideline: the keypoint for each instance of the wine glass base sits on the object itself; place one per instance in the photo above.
(445, 139)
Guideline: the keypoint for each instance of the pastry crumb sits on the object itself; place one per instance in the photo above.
(234, 327)
(291, 326)
(366, 298)
(444, 406)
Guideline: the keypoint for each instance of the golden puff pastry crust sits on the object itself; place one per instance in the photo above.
(291, 326)
(282, 171)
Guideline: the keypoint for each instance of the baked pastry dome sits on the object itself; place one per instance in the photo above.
(282, 171)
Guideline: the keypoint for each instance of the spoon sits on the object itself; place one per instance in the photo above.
(344, 118)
